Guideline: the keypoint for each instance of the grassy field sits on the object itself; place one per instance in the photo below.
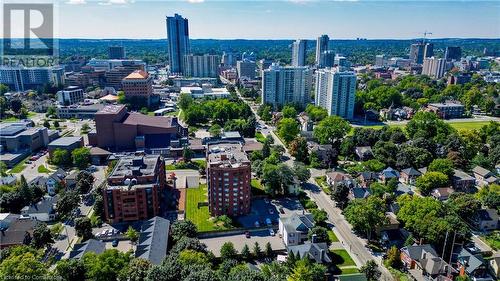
(333, 237)
(342, 258)
(19, 167)
(459, 125)
(257, 187)
(42, 169)
(321, 182)
(260, 137)
(349, 270)
(200, 216)
(14, 119)
(492, 239)
(194, 165)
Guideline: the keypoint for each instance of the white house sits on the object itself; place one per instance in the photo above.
(43, 210)
(294, 229)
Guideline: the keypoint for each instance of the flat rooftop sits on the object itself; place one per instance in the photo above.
(133, 166)
(111, 109)
(447, 104)
(65, 141)
(229, 154)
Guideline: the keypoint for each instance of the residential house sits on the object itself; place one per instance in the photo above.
(43, 210)
(55, 180)
(89, 246)
(8, 180)
(317, 252)
(462, 181)
(471, 265)
(324, 152)
(334, 178)
(388, 174)
(20, 232)
(391, 223)
(483, 176)
(358, 193)
(364, 152)
(6, 219)
(405, 189)
(411, 255)
(306, 124)
(409, 176)
(294, 229)
(442, 193)
(425, 259)
(486, 220)
(70, 180)
(153, 240)
(367, 178)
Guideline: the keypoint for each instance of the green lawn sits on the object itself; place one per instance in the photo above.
(42, 169)
(257, 187)
(349, 270)
(341, 258)
(333, 237)
(194, 165)
(200, 216)
(492, 239)
(260, 137)
(459, 125)
(321, 182)
(19, 167)
(14, 119)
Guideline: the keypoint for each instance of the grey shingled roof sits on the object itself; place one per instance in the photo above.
(481, 171)
(411, 172)
(415, 252)
(312, 251)
(153, 240)
(45, 206)
(471, 262)
(89, 246)
(298, 222)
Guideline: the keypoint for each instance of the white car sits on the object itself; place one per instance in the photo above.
(271, 232)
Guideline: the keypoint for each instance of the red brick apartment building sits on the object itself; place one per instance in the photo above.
(229, 175)
(117, 129)
(134, 187)
(138, 84)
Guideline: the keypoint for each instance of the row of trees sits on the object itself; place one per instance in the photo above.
(79, 157)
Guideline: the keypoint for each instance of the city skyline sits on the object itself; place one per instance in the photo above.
(230, 20)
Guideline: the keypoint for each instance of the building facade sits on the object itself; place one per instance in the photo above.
(447, 110)
(201, 66)
(282, 85)
(116, 52)
(417, 53)
(453, 53)
(321, 46)
(229, 175)
(246, 68)
(299, 51)
(134, 188)
(70, 95)
(336, 92)
(20, 79)
(434, 67)
(139, 84)
(178, 42)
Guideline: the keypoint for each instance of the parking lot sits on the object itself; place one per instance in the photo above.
(239, 240)
(261, 211)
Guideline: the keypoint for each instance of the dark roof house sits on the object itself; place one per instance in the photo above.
(89, 246)
(153, 240)
(314, 251)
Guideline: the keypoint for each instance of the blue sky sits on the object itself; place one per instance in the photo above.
(341, 19)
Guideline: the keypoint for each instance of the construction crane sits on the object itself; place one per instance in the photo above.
(425, 35)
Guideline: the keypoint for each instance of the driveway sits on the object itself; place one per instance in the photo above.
(239, 240)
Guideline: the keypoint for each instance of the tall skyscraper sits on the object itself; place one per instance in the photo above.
(116, 52)
(178, 42)
(282, 85)
(428, 50)
(336, 91)
(327, 59)
(417, 53)
(321, 46)
(381, 60)
(453, 53)
(246, 68)
(434, 67)
(201, 66)
(299, 56)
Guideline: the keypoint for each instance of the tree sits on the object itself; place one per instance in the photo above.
(304, 270)
(428, 125)
(83, 228)
(81, 157)
(298, 149)
(41, 236)
(243, 273)
(56, 124)
(340, 195)
(107, 266)
(411, 156)
(46, 124)
(331, 130)
(444, 166)
(319, 234)
(465, 205)
(227, 251)
(16, 105)
(288, 128)
(215, 130)
(301, 171)
(257, 252)
(71, 270)
(393, 258)
(132, 234)
(60, 157)
(245, 253)
(430, 181)
(185, 100)
(320, 216)
(138, 269)
(85, 128)
(67, 203)
(190, 257)
(371, 271)
(22, 263)
(316, 113)
(3, 169)
(187, 154)
(289, 112)
(84, 182)
(184, 228)
(268, 250)
(385, 152)
(365, 215)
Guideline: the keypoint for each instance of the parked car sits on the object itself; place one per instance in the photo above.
(247, 234)
(271, 232)
(257, 224)
(268, 221)
(114, 243)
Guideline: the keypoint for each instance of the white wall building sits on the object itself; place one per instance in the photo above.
(336, 91)
(70, 95)
(282, 85)
(434, 67)
(294, 229)
(201, 66)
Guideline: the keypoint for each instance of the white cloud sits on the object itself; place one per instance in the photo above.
(196, 1)
(116, 2)
(76, 2)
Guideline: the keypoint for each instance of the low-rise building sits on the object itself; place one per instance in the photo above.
(153, 240)
(364, 152)
(19, 232)
(442, 193)
(228, 178)
(486, 220)
(336, 178)
(79, 111)
(483, 176)
(89, 246)
(462, 181)
(318, 252)
(70, 95)
(19, 139)
(324, 152)
(134, 188)
(65, 143)
(367, 178)
(387, 174)
(44, 210)
(409, 176)
(294, 229)
(447, 110)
